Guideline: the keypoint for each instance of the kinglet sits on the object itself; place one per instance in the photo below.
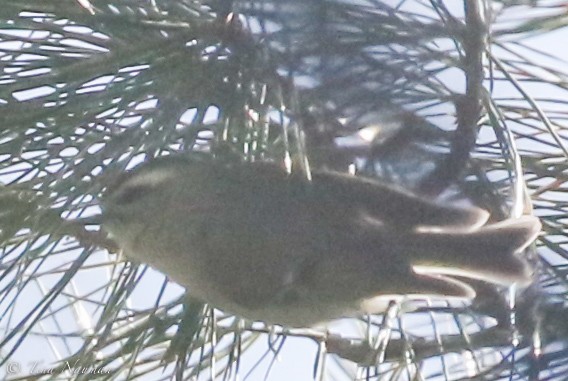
(250, 239)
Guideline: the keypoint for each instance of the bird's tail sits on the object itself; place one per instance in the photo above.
(492, 253)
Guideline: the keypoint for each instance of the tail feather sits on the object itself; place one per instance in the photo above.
(491, 253)
(420, 286)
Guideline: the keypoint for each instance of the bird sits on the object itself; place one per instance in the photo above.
(255, 241)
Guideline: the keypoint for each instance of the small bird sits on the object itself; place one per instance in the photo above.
(255, 241)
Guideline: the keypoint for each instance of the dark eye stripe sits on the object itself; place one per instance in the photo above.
(132, 193)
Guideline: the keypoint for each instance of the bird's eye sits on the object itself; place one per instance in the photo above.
(132, 193)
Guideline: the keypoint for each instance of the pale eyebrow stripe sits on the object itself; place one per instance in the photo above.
(143, 179)
(151, 179)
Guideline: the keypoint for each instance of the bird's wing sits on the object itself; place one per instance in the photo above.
(394, 206)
